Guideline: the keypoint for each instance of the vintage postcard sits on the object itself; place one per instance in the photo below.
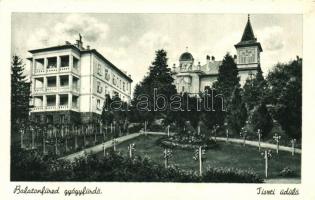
(178, 103)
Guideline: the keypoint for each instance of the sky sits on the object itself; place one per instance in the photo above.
(129, 41)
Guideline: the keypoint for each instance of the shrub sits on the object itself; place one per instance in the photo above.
(135, 127)
(115, 167)
(230, 175)
(287, 172)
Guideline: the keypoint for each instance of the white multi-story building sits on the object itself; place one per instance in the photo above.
(69, 83)
(194, 78)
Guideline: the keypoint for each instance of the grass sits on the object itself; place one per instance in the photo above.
(227, 155)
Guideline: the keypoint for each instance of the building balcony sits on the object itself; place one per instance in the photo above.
(39, 71)
(37, 108)
(54, 108)
(65, 69)
(52, 70)
(63, 107)
(38, 90)
(51, 89)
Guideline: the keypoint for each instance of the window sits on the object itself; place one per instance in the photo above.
(98, 104)
(99, 69)
(124, 88)
(99, 87)
(114, 80)
(107, 75)
(183, 88)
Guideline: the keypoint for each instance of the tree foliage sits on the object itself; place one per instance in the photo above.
(237, 112)
(159, 81)
(262, 120)
(285, 96)
(254, 90)
(20, 96)
(228, 77)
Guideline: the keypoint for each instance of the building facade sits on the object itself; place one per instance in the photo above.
(69, 83)
(194, 78)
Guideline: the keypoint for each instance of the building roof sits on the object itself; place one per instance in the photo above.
(248, 37)
(186, 57)
(107, 62)
(248, 33)
(83, 51)
(212, 68)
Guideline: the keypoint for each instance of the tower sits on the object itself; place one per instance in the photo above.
(248, 53)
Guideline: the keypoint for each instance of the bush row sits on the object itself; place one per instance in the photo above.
(31, 166)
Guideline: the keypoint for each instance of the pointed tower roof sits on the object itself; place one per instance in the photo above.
(248, 33)
(248, 37)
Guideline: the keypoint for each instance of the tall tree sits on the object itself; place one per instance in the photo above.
(159, 81)
(228, 77)
(262, 120)
(20, 96)
(107, 115)
(285, 96)
(254, 90)
(237, 112)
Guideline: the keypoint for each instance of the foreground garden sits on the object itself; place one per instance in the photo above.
(223, 155)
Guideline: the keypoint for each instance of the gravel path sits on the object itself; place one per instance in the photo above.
(108, 144)
(262, 144)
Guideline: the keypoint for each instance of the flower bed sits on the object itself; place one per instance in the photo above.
(187, 142)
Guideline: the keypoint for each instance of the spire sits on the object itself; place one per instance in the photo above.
(248, 33)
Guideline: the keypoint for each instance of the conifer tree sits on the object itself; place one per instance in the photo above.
(254, 90)
(262, 120)
(20, 96)
(159, 79)
(228, 77)
(107, 115)
(237, 112)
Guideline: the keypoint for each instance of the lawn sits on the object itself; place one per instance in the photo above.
(227, 155)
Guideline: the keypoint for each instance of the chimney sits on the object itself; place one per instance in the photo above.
(68, 43)
(129, 76)
(208, 59)
(198, 66)
(88, 47)
(174, 67)
(212, 58)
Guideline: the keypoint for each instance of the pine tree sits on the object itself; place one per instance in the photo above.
(262, 120)
(107, 115)
(228, 77)
(20, 97)
(237, 112)
(254, 90)
(160, 79)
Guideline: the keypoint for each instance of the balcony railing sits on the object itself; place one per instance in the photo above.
(54, 108)
(39, 71)
(63, 107)
(64, 69)
(38, 90)
(64, 88)
(53, 69)
(51, 107)
(51, 89)
(38, 108)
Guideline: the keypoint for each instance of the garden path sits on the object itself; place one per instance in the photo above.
(108, 144)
